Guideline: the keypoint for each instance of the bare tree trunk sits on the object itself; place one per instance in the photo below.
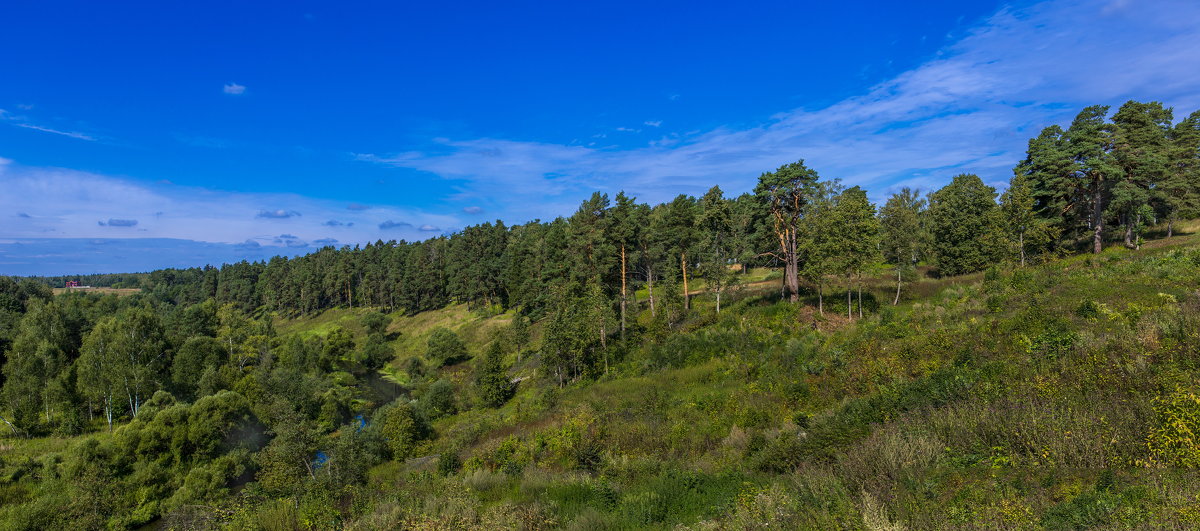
(896, 300)
(622, 299)
(849, 305)
(1128, 232)
(603, 335)
(683, 265)
(10, 426)
(860, 312)
(718, 301)
(820, 297)
(650, 288)
(604, 344)
(1021, 244)
(1170, 226)
(792, 275)
(1097, 221)
(1137, 242)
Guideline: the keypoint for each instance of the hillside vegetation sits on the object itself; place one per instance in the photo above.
(791, 358)
(1060, 396)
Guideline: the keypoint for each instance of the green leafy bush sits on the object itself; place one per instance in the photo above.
(401, 428)
(1175, 438)
(445, 348)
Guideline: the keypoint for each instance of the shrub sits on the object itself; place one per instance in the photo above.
(1175, 438)
(437, 401)
(491, 379)
(1088, 309)
(445, 347)
(376, 323)
(1085, 511)
(644, 508)
(781, 455)
(449, 463)
(401, 428)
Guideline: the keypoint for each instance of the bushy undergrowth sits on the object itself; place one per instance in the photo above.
(1061, 396)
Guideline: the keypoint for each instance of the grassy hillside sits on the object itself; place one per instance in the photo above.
(1062, 396)
(1057, 396)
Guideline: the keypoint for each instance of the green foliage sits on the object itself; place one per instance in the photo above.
(197, 355)
(445, 348)
(400, 428)
(286, 461)
(437, 401)
(1174, 440)
(968, 405)
(789, 194)
(901, 235)
(376, 323)
(1088, 309)
(959, 220)
(339, 344)
(492, 384)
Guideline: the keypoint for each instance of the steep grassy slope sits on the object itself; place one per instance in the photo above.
(1062, 396)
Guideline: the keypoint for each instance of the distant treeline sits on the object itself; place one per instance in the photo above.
(99, 280)
(1098, 180)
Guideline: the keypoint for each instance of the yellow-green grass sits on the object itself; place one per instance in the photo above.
(408, 334)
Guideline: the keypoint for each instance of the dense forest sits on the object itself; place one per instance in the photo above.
(714, 361)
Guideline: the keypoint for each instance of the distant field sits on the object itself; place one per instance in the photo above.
(118, 291)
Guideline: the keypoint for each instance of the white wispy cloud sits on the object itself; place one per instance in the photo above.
(653, 123)
(58, 203)
(72, 134)
(972, 108)
(22, 121)
(234, 89)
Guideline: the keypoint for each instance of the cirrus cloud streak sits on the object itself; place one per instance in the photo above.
(970, 108)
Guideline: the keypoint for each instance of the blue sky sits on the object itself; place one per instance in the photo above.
(167, 134)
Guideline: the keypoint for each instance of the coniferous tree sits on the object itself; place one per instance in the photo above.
(518, 333)
(492, 383)
(652, 250)
(1050, 172)
(592, 252)
(1093, 170)
(1180, 187)
(677, 227)
(627, 221)
(1141, 152)
(788, 192)
(751, 230)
